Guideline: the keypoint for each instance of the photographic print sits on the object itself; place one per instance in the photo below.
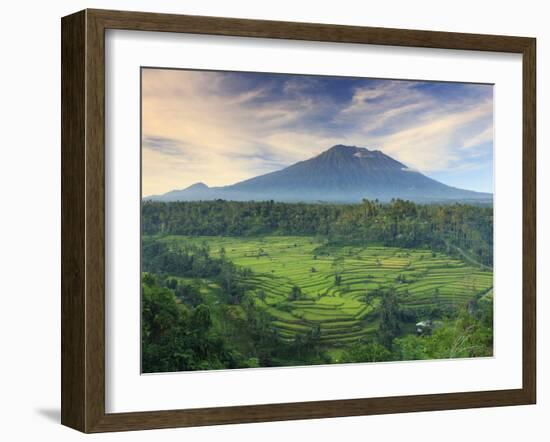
(296, 220)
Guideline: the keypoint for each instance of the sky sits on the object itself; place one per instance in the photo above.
(223, 127)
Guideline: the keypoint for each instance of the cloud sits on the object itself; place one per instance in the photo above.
(163, 145)
(232, 136)
(435, 142)
(382, 95)
(220, 127)
(485, 136)
(424, 126)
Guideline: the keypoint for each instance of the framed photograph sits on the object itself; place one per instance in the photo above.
(267, 221)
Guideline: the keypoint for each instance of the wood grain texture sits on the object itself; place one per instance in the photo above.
(95, 222)
(144, 21)
(83, 220)
(73, 253)
(529, 220)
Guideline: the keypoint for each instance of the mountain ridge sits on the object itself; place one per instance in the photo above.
(341, 173)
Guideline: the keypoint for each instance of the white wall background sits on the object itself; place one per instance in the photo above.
(30, 217)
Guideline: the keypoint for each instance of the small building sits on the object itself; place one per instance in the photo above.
(424, 327)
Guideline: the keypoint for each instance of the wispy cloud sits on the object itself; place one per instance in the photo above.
(437, 139)
(163, 145)
(225, 127)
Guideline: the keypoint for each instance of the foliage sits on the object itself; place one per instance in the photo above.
(458, 229)
(390, 319)
(467, 336)
(367, 352)
(350, 291)
(176, 337)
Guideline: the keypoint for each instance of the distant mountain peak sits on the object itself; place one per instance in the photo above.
(355, 160)
(341, 173)
(346, 148)
(352, 151)
(197, 186)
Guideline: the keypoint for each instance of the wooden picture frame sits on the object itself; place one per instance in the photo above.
(83, 220)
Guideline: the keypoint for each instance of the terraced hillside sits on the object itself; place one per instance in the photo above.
(305, 285)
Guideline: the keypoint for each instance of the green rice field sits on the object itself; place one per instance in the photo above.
(335, 280)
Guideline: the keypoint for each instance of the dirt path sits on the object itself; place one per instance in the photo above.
(469, 258)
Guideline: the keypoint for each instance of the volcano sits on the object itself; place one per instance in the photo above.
(344, 174)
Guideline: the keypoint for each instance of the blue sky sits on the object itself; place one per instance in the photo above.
(223, 127)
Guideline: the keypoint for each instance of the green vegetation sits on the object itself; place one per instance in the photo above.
(272, 300)
(461, 230)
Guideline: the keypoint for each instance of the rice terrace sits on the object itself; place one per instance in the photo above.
(334, 282)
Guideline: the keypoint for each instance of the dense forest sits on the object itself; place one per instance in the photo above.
(457, 229)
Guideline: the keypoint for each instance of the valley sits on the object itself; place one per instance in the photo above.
(303, 284)
(345, 257)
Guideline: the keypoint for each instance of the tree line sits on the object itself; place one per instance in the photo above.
(453, 228)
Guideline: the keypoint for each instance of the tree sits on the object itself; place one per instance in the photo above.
(172, 283)
(410, 348)
(370, 296)
(436, 300)
(189, 294)
(295, 294)
(261, 295)
(313, 339)
(389, 326)
(366, 352)
(338, 265)
(201, 320)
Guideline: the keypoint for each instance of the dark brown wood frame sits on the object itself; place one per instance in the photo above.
(83, 220)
